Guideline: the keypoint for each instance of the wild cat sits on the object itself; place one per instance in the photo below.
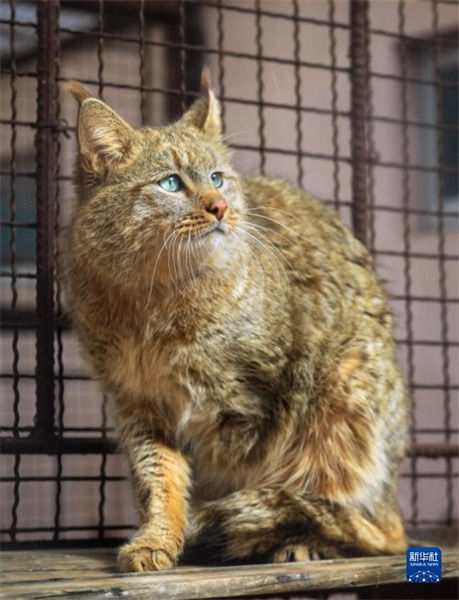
(246, 345)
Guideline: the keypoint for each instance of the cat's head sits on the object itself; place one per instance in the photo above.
(165, 198)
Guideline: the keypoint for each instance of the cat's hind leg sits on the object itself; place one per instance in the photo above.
(269, 525)
(295, 553)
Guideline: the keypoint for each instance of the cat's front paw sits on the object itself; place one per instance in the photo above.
(138, 558)
(295, 553)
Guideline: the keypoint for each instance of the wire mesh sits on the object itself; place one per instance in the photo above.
(348, 99)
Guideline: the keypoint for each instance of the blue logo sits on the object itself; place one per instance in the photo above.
(423, 565)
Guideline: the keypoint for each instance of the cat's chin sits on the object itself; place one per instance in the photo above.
(214, 238)
(216, 249)
(217, 228)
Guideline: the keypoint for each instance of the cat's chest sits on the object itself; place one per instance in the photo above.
(206, 391)
(141, 370)
(218, 358)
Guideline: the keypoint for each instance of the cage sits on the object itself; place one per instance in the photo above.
(355, 101)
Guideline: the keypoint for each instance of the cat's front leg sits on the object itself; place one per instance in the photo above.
(160, 479)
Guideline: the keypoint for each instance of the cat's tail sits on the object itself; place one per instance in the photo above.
(259, 526)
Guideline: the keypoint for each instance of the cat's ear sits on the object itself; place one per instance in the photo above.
(104, 138)
(204, 114)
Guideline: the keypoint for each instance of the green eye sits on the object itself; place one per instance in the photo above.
(172, 183)
(217, 179)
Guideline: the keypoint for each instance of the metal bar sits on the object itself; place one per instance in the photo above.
(13, 264)
(424, 476)
(261, 87)
(60, 387)
(334, 104)
(359, 82)
(442, 276)
(98, 430)
(57, 377)
(433, 451)
(14, 224)
(101, 80)
(71, 528)
(79, 478)
(183, 55)
(100, 50)
(52, 445)
(372, 152)
(47, 19)
(298, 97)
(407, 267)
(62, 544)
(221, 66)
(102, 473)
(143, 105)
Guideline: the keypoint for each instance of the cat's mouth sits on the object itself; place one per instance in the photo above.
(217, 228)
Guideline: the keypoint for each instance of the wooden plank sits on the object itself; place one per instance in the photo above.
(51, 560)
(62, 577)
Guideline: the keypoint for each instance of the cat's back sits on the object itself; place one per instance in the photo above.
(302, 219)
(331, 274)
(308, 233)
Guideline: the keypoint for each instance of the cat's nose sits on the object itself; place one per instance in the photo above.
(217, 208)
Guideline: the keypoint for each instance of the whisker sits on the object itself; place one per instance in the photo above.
(255, 227)
(201, 255)
(171, 256)
(255, 257)
(194, 257)
(260, 248)
(269, 254)
(189, 260)
(179, 263)
(234, 134)
(268, 230)
(254, 208)
(258, 216)
(187, 266)
(198, 245)
(150, 291)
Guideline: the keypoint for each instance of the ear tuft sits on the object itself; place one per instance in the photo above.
(78, 91)
(204, 114)
(205, 80)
